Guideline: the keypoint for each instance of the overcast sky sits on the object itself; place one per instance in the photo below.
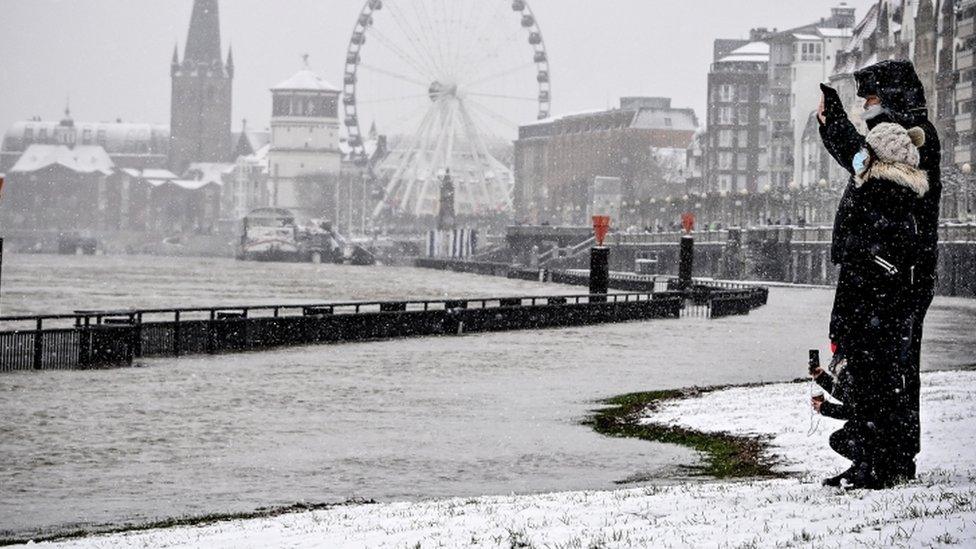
(112, 56)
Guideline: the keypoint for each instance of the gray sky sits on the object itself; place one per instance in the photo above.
(112, 56)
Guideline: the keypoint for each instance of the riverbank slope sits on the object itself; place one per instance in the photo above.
(937, 509)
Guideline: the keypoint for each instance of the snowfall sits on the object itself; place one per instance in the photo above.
(937, 509)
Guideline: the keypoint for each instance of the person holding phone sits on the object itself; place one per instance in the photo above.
(893, 94)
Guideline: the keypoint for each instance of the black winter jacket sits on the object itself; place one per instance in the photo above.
(902, 95)
(871, 321)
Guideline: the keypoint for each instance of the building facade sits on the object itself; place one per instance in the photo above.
(735, 149)
(644, 143)
(799, 59)
(304, 159)
(129, 145)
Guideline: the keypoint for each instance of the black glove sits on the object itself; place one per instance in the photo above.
(833, 106)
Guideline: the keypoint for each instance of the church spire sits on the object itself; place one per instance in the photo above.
(203, 40)
(230, 61)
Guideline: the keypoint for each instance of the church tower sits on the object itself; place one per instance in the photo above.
(200, 111)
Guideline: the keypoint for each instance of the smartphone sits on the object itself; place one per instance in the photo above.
(814, 361)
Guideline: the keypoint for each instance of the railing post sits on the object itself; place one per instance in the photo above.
(686, 262)
(84, 342)
(177, 335)
(212, 333)
(39, 345)
(137, 335)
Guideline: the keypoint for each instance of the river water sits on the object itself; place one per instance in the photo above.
(406, 419)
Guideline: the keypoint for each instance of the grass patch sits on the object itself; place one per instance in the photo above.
(202, 520)
(724, 455)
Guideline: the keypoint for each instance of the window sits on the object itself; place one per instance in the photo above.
(742, 92)
(725, 115)
(102, 138)
(740, 162)
(808, 51)
(740, 181)
(742, 114)
(42, 134)
(725, 160)
(725, 138)
(667, 122)
(280, 106)
(726, 92)
(86, 135)
(29, 135)
(743, 138)
(724, 182)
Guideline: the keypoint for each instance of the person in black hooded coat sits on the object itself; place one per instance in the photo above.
(880, 255)
(893, 93)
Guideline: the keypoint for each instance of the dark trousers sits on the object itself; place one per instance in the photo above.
(855, 441)
(912, 436)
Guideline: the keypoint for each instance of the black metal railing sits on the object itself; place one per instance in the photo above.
(95, 338)
(115, 337)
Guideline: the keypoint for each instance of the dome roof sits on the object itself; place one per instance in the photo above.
(305, 80)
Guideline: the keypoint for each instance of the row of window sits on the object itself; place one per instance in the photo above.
(736, 115)
(725, 182)
(731, 92)
(325, 107)
(780, 155)
(88, 137)
(730, 161)
(725, 138)
(808, 51)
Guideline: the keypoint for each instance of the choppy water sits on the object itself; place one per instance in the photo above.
(485, 413)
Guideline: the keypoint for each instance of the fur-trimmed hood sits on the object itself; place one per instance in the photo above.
(907, 176)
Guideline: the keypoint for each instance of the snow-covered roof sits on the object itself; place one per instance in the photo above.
(208, 172)
(81, 159)
(255, 139)
(116, 137)
(261, 153)
(158, 174)
(150, 173)
(752, 48)
(552, 119)
(369, 147)
(191, 184)
(829, 32)
(666, 119)
(800, 36)
(751, 52)
(744, 58)
(305, 80)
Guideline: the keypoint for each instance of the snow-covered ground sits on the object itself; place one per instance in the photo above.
(938, 509)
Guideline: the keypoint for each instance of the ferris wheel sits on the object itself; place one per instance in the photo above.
(448, 82)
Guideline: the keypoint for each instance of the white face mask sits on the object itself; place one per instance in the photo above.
(872, 111)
